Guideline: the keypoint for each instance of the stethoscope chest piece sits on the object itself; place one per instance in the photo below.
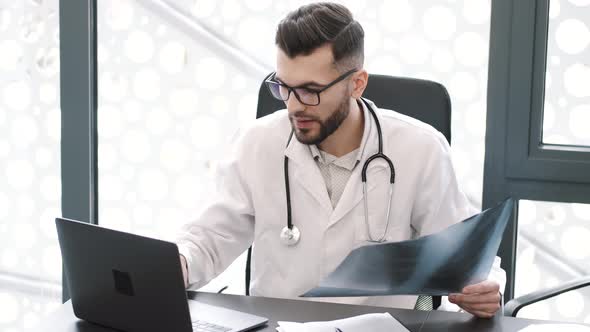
(290, 236)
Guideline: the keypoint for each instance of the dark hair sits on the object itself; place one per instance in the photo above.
(312, 26)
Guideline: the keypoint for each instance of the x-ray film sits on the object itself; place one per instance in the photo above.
(437, 264)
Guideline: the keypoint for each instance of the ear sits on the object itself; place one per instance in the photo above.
(359, 83)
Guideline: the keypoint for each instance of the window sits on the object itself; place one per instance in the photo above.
(30, 187)
(566, 116)
(549, 176)
(552, 249)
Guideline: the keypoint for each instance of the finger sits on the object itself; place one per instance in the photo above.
(486, 286)
(487, 307)
(183, 266)
(476, 298)
(480, 314)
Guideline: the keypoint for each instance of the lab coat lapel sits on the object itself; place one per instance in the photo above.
(303, 170)
(377, 170)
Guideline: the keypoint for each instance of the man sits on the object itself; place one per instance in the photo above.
(320, 77)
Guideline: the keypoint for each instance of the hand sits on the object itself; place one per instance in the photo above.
(184, 271)
(481, 300)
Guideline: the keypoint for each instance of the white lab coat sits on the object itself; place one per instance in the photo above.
(250, 206)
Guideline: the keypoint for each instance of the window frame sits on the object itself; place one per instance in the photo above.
(517, 163)
(78, 93)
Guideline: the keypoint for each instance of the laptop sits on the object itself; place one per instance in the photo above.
(134, 283)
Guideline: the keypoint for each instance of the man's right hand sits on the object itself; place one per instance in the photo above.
(184, 271)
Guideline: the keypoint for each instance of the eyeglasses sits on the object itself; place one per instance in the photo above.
(306, 96)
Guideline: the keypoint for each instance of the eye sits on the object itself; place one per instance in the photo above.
(307, 91)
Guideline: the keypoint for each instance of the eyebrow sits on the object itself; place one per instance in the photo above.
(303, 85)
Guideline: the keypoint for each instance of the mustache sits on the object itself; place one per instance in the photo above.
(302, 115)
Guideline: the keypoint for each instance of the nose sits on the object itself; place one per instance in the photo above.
(293, 104)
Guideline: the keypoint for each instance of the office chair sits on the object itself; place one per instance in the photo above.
(421, 99)
(513, 306)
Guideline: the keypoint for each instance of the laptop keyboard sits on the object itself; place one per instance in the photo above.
(203, 326)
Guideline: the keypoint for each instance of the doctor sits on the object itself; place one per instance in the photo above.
(322, 140)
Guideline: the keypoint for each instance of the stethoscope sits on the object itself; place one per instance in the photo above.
(290, 234)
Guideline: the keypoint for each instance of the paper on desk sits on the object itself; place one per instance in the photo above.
(371, 322)
(556, 327)
(436, 264)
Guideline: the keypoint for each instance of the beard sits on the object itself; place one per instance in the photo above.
(327, 127)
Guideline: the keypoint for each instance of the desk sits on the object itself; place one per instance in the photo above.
(63, 320)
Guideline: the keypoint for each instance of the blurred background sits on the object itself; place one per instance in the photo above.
(178, 78)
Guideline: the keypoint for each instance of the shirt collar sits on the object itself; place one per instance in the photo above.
(348, 161)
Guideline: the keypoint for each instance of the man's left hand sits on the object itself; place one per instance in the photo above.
(481, 300)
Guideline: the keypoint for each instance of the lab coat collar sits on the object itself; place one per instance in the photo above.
(303, 169)
(367, 148)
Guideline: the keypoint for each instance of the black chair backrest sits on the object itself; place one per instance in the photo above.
(424, 100)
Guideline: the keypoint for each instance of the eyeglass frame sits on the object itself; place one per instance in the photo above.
(270, 80)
